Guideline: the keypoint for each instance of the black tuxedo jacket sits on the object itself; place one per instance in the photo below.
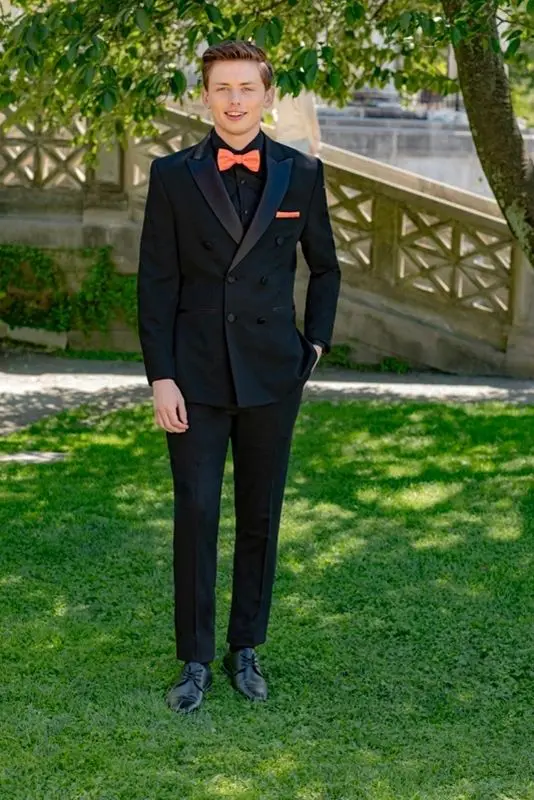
(215, 303)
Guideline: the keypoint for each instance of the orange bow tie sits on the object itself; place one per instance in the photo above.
(227, 159)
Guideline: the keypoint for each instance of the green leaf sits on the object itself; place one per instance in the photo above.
(127, 83)
(275, 31)
(192, 34)
(70, 23)
(72, 52)
(283, 83)
(178, 83)
(63, 64)
(213, 37)
(530, 7)
(513, 47)
(214, 15)
(354, 12)
(513, 34)
(88, 75)
(308, 58)
(495, 44)
(7, 98)
(405, 20)
(428, 26)
(310, 76)
(327, 53)
(142, 19)
(260, 35)
(399, 81)
(334, 78)
(456, 35)
(109, 100)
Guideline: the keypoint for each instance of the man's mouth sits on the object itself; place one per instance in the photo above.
(235, 115)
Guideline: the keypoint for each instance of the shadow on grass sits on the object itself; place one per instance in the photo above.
(400, 651)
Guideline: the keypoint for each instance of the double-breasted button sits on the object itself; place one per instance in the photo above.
(279, 240)
(208, 245)
(264, 279)
(231, 279)
(261, 320)
(231, 317)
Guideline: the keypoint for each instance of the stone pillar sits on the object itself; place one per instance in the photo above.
(519, 358)
(385, 247)
(105, 181)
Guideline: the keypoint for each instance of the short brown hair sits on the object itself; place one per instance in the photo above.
(237, 51)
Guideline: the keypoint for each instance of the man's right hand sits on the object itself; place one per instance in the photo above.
(169, 406)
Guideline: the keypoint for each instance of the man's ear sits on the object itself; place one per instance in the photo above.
(204, 96)
(269, 98)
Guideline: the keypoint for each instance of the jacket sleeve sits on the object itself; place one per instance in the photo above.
(158, 282)
(320, 253)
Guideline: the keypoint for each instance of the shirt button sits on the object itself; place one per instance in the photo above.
(261, 320)
(231, 279)
(231, 317)
(242, 181)
(246, 212)
(279, 240)
(208, 245)
(264, 279)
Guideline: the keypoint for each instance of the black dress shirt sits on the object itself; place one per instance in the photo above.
(243, 186)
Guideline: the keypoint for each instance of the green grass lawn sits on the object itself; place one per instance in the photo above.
(400, 657)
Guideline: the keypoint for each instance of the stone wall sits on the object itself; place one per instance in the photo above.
(66, 237)
(431, 273)
(437, 151)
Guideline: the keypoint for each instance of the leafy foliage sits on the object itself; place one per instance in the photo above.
(112, 62)
(33, 291)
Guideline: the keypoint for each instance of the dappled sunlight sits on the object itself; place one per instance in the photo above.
(339, 551)
(9, 580)
(416, 497)
(60, 608)
(473, 591)
(442, 542)
(400, 628)
(221, 786)
(505, 532)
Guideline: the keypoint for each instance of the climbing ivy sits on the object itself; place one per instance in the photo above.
(34, 292)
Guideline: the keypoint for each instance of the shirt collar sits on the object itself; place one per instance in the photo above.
(256, 144)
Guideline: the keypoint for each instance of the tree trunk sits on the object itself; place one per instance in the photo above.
(498, 140)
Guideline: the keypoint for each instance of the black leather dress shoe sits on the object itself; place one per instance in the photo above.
(187, 694)
(244, 670)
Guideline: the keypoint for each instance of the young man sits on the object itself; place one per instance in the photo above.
(222, 353)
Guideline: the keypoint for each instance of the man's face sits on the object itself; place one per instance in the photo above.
(237, 96)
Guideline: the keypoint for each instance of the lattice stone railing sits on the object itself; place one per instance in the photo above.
(32, 158)
(434, 251)
(450, 255)
(446, 254)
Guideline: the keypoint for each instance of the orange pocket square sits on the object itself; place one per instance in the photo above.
(287, 214)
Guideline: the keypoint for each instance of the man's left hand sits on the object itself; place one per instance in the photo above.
(319, 351)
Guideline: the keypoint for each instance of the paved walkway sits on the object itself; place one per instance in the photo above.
(34, 385)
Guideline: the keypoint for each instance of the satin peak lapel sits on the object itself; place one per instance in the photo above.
(276, 185)
(208, 179)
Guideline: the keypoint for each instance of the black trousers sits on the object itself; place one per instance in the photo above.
(261, 440)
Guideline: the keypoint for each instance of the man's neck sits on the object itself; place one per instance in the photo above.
(239, 141)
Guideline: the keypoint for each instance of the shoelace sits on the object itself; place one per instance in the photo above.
(192, 674)
(249, 661)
